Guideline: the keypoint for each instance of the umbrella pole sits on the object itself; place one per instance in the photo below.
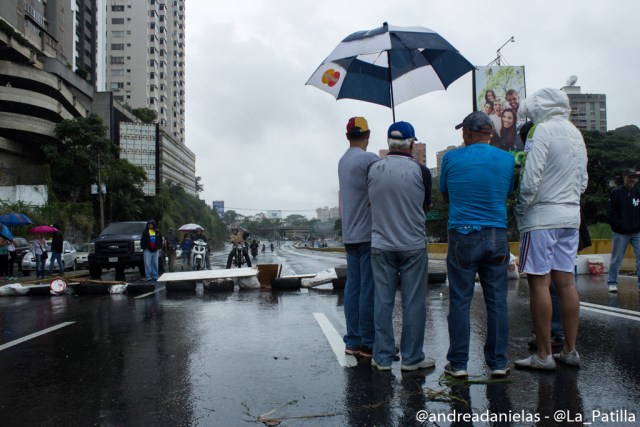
(393, 108)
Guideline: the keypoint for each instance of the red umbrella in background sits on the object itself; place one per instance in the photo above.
(43, 229)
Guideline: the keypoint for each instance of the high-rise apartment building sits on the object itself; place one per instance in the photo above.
(588, 110)
(143, 61)
(419, 152)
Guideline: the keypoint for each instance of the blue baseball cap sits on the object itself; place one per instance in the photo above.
(401, 130)
(478, 121)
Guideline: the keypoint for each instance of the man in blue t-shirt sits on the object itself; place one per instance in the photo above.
(476, 180)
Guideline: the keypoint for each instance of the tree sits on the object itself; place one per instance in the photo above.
(145, 114)
(609, 153)
(230, 217)
(125, 197)
(297, 220)
(77, 158)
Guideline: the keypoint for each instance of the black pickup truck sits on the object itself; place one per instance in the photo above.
(118, 247)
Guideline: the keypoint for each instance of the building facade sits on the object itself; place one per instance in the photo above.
(419, 152)
(144, 58)
(326, 214)
(588, 110)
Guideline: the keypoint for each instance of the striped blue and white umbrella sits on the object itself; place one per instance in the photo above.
(421, 61)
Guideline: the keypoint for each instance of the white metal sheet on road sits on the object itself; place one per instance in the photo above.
(611, 311)
(208, 274)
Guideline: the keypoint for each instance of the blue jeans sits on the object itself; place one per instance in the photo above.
(412, 267)
(620, 243)
(56, 256)
(151, 264)
(358, 296)
(485, 252)
(40, 264)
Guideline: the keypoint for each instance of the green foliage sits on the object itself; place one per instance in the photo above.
(76, 159)
(146, 115)
(601, 230)
(173, 207)
(609, 153)
(125, 197)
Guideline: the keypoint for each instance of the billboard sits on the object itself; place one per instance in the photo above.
(218, 205)
(498, 91)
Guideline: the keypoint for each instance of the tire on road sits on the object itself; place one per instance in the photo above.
(286, 283)
(140, 288)
(181, 286)
(339, 283)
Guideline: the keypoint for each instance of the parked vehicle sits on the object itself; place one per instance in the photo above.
(82, 255)
(68, 259)
(117, 247)
(22, 247)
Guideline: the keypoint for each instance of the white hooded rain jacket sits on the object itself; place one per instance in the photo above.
(555, 171)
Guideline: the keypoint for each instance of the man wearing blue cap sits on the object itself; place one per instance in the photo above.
(400, 193)
(476, 180)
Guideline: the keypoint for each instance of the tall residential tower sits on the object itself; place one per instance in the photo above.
(144, 57)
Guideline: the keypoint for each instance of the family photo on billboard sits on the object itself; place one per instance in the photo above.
(498, 91)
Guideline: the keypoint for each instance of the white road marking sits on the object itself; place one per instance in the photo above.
(607, 308)
(611, 311)
(34, 335)
(335, 341)
(150, 293)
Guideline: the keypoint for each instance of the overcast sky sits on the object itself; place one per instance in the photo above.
(265, 141)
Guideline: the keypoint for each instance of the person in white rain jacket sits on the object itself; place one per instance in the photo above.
(548, 214)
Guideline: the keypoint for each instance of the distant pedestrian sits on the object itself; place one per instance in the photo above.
(170, 246)
(356, 236)
(400, 194)
(186, 245)
(476, 181)
(11, 248)
(4, 258)
(151, 243)
(57, 248)
(39, 251)
(548, 214)
(623, 211)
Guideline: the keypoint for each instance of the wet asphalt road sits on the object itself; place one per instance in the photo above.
(265, 357)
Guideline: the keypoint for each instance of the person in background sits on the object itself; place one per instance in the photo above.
(200, 236)
(478, 243)
(623, 213)
(238, 237)
(39, 251)
(170, 247)
(11, 248)
(548, 215)
(57, 247)
(151, 243)
(4, 258)
(400, 193)
(186, 246)
(506, 138)
(356, 236)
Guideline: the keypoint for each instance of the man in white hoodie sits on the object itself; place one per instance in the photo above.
(548, 214)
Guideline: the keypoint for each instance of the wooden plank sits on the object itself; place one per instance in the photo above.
(208, 274)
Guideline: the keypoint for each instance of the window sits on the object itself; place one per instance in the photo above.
(117, 8)
(117, 59)
(117, 34)
(117, 46)
(117, 21)
(117, 85)
(117, 73)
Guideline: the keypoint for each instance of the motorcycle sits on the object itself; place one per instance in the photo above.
(238, 254)
(254, 252)
(198, 252)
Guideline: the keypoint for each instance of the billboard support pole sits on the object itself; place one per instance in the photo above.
(499, 55)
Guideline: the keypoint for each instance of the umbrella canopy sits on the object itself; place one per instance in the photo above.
(187, 228)
(5, 232)
(390, 65)
(14, 219)
(43, 229)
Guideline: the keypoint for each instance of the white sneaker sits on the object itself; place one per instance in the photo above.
(613, 288)
(425, 363)
(534, 362)
(378, 367)
(572, 358)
